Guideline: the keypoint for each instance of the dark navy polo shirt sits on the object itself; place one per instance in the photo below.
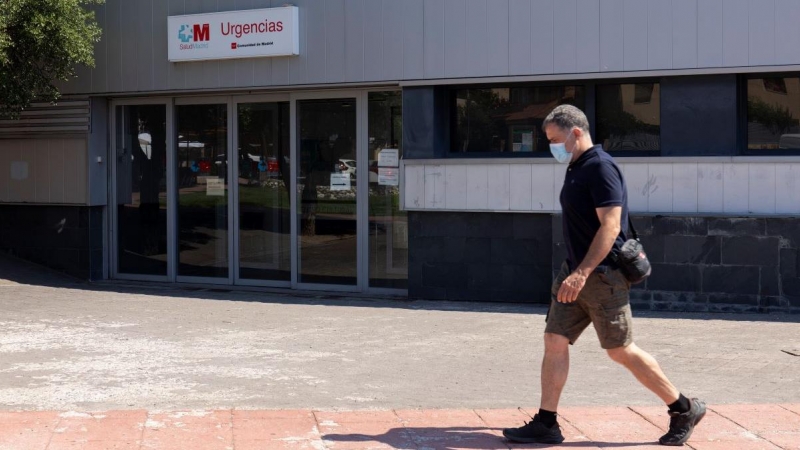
(592, 181)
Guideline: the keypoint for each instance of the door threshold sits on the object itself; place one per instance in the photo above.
(282, 291)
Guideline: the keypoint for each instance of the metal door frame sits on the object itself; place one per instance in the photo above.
(113, 222)
(365, 232)
(358, 96)
(236, 101)
(207, 100)
(232, 102)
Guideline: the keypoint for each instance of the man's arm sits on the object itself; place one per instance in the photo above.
(610, 224)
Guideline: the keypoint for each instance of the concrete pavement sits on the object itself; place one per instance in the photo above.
(68, 348)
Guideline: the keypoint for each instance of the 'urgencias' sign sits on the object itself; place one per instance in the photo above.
(237, 34)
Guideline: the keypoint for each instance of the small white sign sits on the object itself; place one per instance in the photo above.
(236, 34)
(19, 170)
(388, 176)
(389, 157)
(215, 187)
(340, 181)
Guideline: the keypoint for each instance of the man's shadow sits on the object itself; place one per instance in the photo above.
(446, 438)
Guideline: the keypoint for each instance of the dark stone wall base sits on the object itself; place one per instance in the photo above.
(480, 257)
(700, 264)
(64, 238)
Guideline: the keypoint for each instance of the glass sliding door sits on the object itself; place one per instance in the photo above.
(388, 226)
(202, 175)
(327, 241)
(140, 189)
(264, 180)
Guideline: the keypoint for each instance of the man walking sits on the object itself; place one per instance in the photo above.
(590, 288)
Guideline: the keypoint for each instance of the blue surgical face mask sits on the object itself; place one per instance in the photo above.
(559, 151)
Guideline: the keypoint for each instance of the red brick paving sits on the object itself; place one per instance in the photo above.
(726, 427)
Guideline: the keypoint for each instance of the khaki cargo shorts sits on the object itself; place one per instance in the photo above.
(603, 301)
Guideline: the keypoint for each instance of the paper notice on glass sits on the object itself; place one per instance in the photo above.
(527, 142)
(389, 157)
(388, 176)
(215, 187)
(340, 181)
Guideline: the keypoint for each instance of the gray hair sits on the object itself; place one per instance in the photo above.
(567, 117)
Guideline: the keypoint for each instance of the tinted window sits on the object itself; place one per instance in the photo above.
(773, 113)
(508, 119)
(629, 116)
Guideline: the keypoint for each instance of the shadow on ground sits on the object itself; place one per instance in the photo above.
(459, 438)
(15, 271)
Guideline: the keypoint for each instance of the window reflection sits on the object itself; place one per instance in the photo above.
(508, 119)
(629, 116)
(773, 113)
(326, 191)
(202, 190)
(264, 171)
(141, 177)
(388, 226)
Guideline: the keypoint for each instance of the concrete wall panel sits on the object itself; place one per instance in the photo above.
(344, 41)
(566, 44)
(659, 34)
(762, 22)
(588, 36)
(787, 33)
(674, 186)
(612, 35)
(497, 18)
(434, 48)
(51, 170)
(519, 37)
(477, 38)
(413, 39)
(684, 34)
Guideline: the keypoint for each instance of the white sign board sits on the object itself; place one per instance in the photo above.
(238, 34)
(215, 187)
(389, 157)
(340, 181)
(388, 176)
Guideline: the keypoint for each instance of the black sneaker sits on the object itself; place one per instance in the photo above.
(535, 432)
(682, 425)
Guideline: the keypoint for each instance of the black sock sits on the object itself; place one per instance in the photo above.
(681, 405)
(548, 418)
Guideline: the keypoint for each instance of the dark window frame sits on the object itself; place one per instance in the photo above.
(742, 135)
(590, 108)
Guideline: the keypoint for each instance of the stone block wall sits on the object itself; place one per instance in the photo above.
(708, 264)
(718, 264)
(65, 238)
(480, 256)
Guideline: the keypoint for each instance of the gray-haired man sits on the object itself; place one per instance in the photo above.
(590, 288)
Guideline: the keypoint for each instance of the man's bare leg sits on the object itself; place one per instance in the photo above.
(555, 368)
(646, 369)
(684, 413)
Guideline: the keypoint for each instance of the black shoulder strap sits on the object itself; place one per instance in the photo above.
(631, 228)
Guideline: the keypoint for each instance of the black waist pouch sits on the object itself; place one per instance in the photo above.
(632, 259)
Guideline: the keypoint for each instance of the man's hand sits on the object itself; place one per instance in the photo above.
(571, 287)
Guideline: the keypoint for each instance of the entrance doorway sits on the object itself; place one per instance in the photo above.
(284, 190)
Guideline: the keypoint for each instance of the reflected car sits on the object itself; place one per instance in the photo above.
(789, 141)
(347, 166)
(373, 171)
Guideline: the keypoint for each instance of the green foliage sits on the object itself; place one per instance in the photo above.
(775, 117)
(41, 42)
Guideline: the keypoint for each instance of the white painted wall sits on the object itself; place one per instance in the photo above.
(739, 185)
(51, 171)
